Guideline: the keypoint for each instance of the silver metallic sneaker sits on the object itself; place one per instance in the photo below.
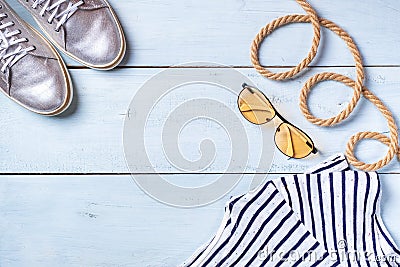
(32, 73)
(86, 30)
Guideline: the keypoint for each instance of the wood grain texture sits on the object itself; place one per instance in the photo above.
(89, 138)
(163, 33)
(100, 217)
(108, 221)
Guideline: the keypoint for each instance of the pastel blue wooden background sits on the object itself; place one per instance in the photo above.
(66, 196)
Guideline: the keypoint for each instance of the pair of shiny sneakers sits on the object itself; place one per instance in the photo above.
(32, 72)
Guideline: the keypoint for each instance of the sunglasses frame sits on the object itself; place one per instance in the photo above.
(277, 114)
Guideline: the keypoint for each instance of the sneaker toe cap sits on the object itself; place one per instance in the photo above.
(40, 85)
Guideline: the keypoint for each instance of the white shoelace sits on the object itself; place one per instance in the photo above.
(9, 39)
(54, 9)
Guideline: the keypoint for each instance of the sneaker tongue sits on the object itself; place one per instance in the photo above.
(40, 50)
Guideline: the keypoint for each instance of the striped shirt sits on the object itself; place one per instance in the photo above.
(329, 216)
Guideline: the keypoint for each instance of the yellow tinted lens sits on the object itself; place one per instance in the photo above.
(254, 106)
(293, 142)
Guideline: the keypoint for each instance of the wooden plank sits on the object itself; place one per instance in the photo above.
(88, 138)
(163, 33)
(108, 221)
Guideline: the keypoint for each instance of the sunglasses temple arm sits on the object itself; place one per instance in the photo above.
(315, 150)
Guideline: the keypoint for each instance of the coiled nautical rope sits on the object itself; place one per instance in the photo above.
(357, 84)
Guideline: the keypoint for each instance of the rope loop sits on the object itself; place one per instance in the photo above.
(311, 17)
(357, 85)
(326, 76)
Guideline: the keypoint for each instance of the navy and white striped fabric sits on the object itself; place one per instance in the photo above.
(329, 216)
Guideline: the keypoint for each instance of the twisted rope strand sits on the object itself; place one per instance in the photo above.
(357, 85)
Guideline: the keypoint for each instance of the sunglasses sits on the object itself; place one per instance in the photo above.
(289, 139)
